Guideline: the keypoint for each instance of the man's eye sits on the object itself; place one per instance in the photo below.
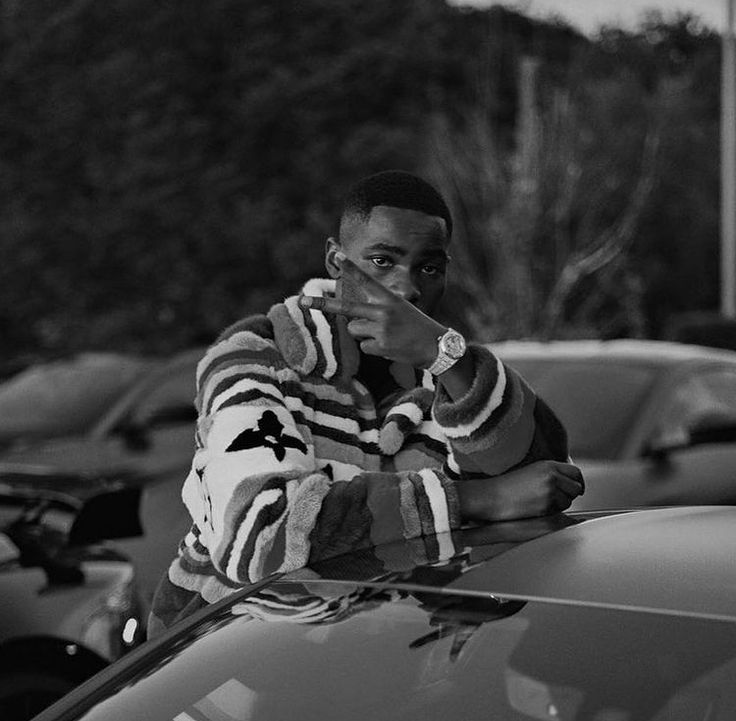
(381, 261)
(432, 270)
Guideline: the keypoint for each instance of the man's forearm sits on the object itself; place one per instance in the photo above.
(538, 489)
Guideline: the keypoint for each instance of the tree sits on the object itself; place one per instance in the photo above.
(557, 231)
(168, 167)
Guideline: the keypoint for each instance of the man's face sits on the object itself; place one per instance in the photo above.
(404, 250)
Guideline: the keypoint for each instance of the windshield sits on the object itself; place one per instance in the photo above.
(598, 401)
(316, 651)
(65, 397)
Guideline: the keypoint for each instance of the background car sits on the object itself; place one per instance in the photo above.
(649, 422)
(146, 436)
(624, 616)
(65, 397)
(68, 604)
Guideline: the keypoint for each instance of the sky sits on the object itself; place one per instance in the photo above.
(588, 15)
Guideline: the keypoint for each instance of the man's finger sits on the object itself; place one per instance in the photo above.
(561, 501)
(570, 470)
(354, 273)
(338, 306)
(371, 347)
(362, 328)
(568, 486)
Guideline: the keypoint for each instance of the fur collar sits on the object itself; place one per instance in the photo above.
(312, 342)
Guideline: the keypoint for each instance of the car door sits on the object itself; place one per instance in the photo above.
(147, 432)
(703, 473)
(699, 474)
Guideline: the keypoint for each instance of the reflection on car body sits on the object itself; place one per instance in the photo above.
(645, 419)
(69, 605)
(567, 617)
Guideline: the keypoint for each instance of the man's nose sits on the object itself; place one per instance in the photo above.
(404, 285)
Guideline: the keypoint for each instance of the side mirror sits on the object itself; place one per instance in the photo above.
(135, 436)
(114, 514)
(709, 430)
(701, 432)
(665, 442)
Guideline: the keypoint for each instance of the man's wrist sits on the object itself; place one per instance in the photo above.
(431, 350)
(484, 499)
(476, 499)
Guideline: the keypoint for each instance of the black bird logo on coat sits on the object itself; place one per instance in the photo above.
(268, 434)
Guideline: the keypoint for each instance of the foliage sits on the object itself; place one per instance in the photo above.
(578, 228)
(167, 167)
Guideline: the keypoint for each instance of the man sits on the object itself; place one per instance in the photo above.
(348, 416)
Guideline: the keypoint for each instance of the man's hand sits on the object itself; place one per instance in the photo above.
(538, 489)
(383, 324)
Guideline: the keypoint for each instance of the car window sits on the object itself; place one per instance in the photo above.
(701, 396)
(598, 401)
(169, 399)
(65, 397)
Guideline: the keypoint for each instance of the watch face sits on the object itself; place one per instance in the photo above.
(453, 344)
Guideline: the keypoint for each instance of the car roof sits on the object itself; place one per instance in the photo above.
(679, 560)
(669, 560)
(187, 357)
(633, 349)
(587, 579)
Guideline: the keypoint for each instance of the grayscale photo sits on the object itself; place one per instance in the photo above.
(368, 360)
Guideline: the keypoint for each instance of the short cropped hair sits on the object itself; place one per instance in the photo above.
(395, 189)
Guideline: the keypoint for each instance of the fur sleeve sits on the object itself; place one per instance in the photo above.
(255, 492)
(499, 423)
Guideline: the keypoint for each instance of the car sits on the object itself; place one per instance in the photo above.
(147, 428)
(607, 616)
(69, 602)
(146, 436)
(650, 423)
(65, 397)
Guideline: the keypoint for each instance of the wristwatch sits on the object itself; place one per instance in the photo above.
(450, 349)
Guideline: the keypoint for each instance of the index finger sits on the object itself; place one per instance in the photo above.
(361, 284)
(340, 306)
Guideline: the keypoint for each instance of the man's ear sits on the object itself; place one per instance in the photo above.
(332, 246)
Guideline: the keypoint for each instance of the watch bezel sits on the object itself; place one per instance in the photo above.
(453, 344)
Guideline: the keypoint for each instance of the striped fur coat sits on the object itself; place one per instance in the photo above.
(295, 462)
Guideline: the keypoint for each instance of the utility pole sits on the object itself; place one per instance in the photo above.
(526, 179)
(728, 166)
